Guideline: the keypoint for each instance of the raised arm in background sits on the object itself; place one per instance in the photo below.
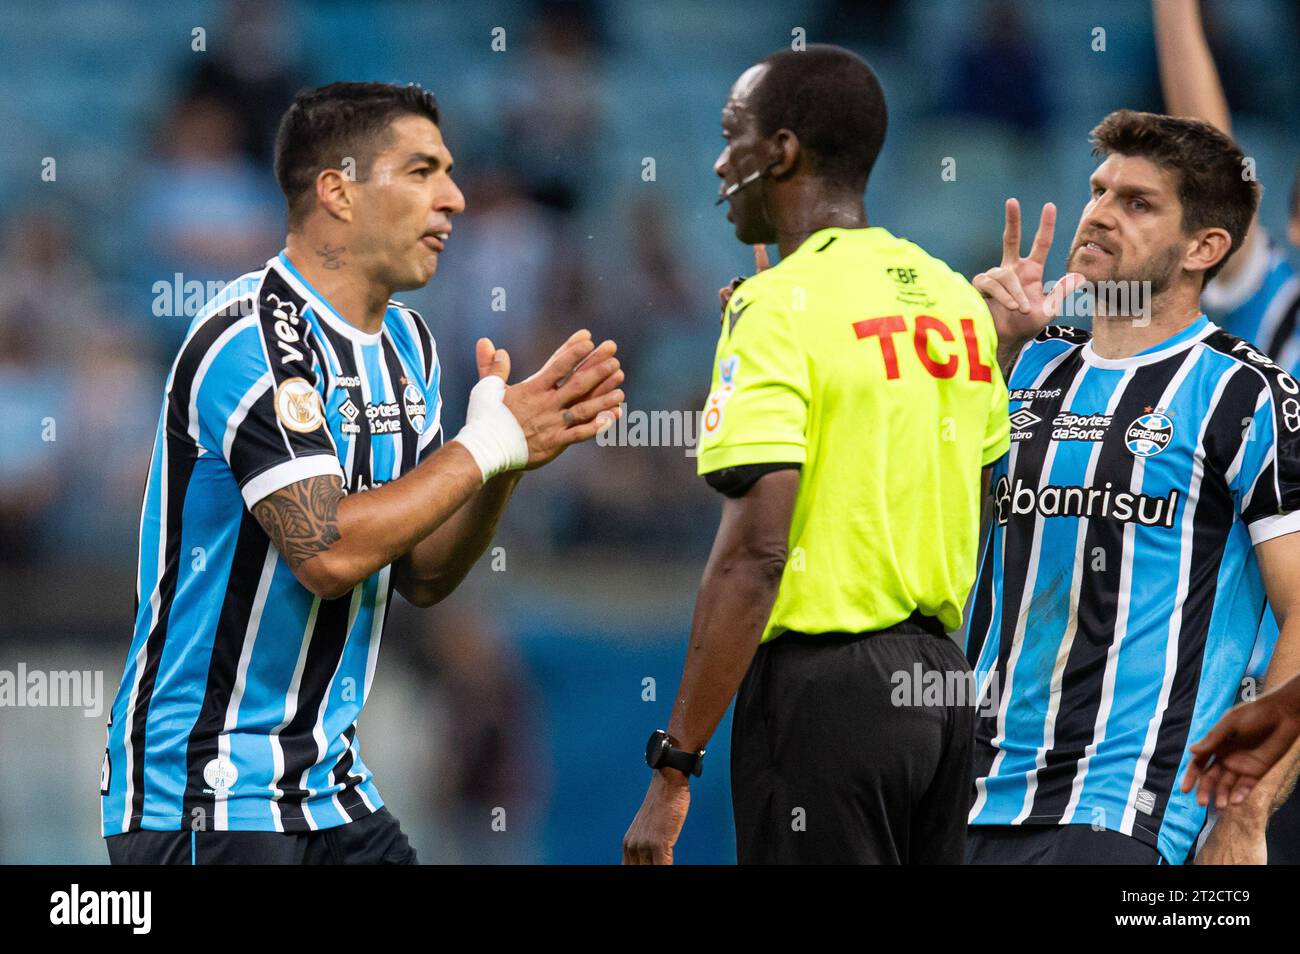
(1192, 88)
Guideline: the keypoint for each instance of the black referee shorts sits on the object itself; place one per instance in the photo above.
(376, 839)
(826, 769)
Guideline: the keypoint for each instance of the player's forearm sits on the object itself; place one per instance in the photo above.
(1187, 72)
(735, 601)
(1250, 817)
(1276, 786)
(379, 526)
(1288, 695)
(437, 564)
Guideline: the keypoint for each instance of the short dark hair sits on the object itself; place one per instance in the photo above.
(323, 125)
(831, 99)
(1213, 189)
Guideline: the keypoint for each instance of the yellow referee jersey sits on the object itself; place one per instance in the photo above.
(874, 366)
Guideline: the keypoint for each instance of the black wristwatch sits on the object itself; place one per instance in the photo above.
(660, 753)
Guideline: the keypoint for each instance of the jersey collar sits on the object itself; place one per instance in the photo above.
(1199, 329)
(817, 240)
(323, 309)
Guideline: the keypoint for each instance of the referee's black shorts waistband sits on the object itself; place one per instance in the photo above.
(918, 623)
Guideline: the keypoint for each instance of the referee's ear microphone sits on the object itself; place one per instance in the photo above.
(744, 183)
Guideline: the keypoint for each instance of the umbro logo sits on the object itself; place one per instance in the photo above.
(350, 413)
(1021, 422)
(1024, 418)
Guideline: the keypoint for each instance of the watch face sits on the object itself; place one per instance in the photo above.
(655, 748)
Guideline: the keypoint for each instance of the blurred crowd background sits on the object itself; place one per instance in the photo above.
(136, 158)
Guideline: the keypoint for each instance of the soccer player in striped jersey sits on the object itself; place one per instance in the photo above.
(1149, 502)
(298, 478)
(1255, 296)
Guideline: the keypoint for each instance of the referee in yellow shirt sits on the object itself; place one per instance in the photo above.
(855, 399)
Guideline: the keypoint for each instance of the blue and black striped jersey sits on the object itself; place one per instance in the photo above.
(1120, 595)
(238, 705)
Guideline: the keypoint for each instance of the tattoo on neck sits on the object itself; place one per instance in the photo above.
(332, 256)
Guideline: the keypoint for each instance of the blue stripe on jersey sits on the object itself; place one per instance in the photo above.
(226, 385)
(113, 805)
(206, 551)
(408, 350)
(1227, 655)
(1036, 358)
(1265, 643)
(378, 390)
(1245, 321)
(348, 687)
(262, 707)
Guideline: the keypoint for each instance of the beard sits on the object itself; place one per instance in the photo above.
(1144, 281)
(1160, 269)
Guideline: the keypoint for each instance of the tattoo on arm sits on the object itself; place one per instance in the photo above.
(331, 255)
(302, 519)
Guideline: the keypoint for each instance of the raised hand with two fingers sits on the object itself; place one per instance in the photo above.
(1014, 289)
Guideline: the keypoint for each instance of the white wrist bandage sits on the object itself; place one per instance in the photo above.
(491, 434)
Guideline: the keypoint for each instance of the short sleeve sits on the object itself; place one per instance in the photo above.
(264, 418)
(757, 408)
(1268, 482)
